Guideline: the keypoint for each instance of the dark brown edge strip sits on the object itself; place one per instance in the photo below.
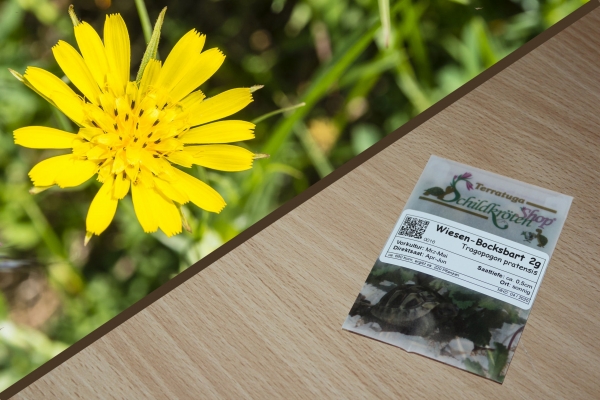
(454, 207)
(298, 200)
(543, 208)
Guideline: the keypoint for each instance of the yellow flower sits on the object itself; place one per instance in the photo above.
(131, 132)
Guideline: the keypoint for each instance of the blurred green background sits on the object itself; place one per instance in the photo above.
(330, 54)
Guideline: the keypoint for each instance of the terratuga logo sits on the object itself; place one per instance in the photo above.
(501, 218)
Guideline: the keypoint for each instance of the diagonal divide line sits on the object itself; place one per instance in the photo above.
(292, 204)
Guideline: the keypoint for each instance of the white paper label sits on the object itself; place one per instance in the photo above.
(476, 259)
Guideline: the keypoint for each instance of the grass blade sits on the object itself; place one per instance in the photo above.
(322, 83)
(317, 157)
(384, 15)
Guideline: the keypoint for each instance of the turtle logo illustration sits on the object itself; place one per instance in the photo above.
(529, 236)
(441, 193)
(541, 239)
(410, 309)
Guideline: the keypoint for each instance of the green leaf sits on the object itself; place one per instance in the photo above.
(285, 169)
(474, 366)
(490, 303)
(381, 268)
(462, 300)
(497, 360)
(152, 48)
(437, 284)
(477, 325)
(373, 68)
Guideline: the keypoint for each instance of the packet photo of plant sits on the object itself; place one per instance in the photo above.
(460, 271)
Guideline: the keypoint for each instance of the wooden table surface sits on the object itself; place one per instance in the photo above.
(264, 321)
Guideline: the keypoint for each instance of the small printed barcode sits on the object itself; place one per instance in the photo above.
(413, 227)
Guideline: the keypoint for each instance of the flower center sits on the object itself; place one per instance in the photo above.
(134, 133)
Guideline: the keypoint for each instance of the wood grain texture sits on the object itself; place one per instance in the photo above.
(265, 320)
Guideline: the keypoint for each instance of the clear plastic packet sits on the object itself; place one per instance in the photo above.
(460, 271)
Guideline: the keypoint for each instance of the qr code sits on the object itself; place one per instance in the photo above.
(413, 227)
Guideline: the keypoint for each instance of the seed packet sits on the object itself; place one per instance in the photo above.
(460, 271)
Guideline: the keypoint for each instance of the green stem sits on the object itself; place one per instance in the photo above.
(280, 111)
(384, 14)
(316, 155)
(144, 18)
(44, 228)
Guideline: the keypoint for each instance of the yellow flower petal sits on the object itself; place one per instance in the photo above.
(81, 148)
(89, 133)
(151, 163)
(220, 106)
(133, 154)
(72, 64)
(169, 145)
(180, 59)
(206, 65)
(120, 162)
(102, 210)
(219, 132)
(167, 214)
(169, 191)
(192, 100)
(132, 172)
(107, 100)
(150, 76)
(155, 211)
(44, 173)
(98, 118)
(56, 92)
(198, 192)
(40, 137)
(143, 207)
(223, 157)
(121, 187)
(70, 106)
(118, 51)
(107, 139)
(146, 178)
(92, 49)
(97, 153)
(64, 171)
(182, 158)
(76, 172)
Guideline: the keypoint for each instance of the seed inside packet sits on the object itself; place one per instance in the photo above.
(460, 271)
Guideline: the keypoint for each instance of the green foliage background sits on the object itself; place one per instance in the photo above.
(329, 54)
